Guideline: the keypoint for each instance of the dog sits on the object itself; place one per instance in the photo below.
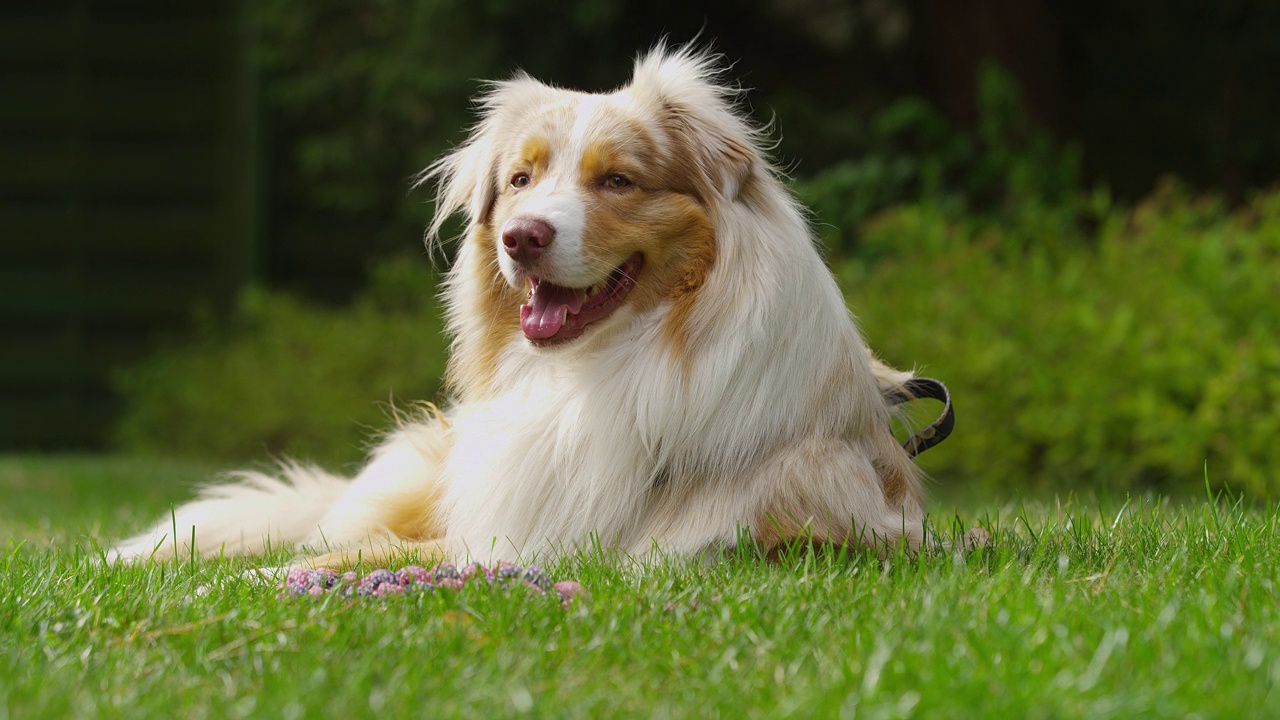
(648, 355)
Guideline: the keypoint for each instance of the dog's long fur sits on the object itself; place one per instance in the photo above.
(730, 391)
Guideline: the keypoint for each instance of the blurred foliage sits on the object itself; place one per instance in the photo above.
(916, 155)
(283, 376)
(362, 95)
(1123, 358)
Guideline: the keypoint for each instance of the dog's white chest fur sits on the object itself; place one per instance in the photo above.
(532, 463)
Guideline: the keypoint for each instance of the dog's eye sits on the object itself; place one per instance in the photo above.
(520, 180)
(616, 182)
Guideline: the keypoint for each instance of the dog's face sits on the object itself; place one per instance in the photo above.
(592, 219)
(594, 209)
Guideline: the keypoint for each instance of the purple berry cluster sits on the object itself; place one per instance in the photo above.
(305, 582)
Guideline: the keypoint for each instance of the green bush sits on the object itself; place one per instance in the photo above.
(286, 377)
(914, 155)
(1126, 358)
(361, 96)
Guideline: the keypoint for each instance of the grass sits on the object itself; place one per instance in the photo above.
(1141, 607)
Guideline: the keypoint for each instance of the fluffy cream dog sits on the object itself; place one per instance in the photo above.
(648, 353)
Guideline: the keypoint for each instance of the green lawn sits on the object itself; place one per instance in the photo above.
(1084, 609)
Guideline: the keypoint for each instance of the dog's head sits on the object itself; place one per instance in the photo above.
(593, 209)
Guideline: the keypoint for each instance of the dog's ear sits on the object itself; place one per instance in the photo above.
(466, 179)
(464, 182)
(695, 108)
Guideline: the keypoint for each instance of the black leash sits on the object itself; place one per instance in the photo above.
(936, 431)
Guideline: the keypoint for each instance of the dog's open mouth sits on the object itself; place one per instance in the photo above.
(555, 314)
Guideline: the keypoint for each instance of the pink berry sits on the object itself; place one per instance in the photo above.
(384, 589)
(568, 590)
(413, 575)
(300, 576)
(507, 572)
(446, 571)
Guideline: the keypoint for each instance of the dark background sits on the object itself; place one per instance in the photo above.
(156, 157)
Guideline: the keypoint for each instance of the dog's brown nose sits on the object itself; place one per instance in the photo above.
(525, 239)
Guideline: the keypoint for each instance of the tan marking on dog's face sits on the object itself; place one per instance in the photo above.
(531, 160)
(535, 149)
(534, 155)
(669, 227)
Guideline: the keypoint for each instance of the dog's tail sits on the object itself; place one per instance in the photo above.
(249, 515)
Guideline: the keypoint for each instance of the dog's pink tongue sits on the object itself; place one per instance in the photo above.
(546, 311)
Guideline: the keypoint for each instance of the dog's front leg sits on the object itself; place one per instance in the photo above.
(393, 505)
